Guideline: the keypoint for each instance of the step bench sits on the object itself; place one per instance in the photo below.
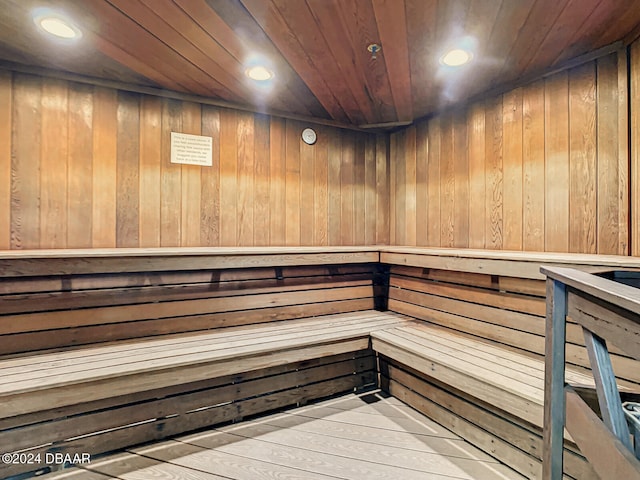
(488, 394)
(103, 397)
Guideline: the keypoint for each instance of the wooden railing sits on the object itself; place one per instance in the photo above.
(608, 311)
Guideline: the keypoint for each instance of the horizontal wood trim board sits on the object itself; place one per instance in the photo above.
(53, 266)
(118, 314)
(86, 334)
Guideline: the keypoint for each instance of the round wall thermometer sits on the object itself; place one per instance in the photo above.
(309, 136)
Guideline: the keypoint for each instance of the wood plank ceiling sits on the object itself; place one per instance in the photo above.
(318, 48)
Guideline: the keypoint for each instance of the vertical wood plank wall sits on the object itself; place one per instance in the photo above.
(543, 167)
(84, 166)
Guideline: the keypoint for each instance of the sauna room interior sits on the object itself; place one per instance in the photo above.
(320, 239)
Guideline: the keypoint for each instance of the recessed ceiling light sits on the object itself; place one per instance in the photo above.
(58, 26)
(259, 73)
(456, 57)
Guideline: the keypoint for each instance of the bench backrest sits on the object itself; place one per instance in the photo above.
(68, 309)
(506, 310)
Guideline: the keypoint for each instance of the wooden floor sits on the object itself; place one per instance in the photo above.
(365, 436)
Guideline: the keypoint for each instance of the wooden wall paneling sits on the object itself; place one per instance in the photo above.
(422, 194)
(171, 177)
(278, 173)
(370, 190)
(410, 152)
(393, 188)
(398, 166)
(307, 207)
(334, 175)
(347, 174)
(461, 180)
(6, 119)
(383, 200)
(321, 188)
(228, 177)
(533, 167)
(359, 177)
(128, 171)
(447, 181)
(433, 183)
(634, 101)
(53, 164)
(25, 162)
(557, 163)
(292, 155)
(512, 169)
(150, 166)
(210, 181)
(582, 159)
(191, 190)
(262, 184)
(245, 192)
(105, 132)
(494, 174)
(477, 180)
(624, 163)
(80, 169)
(607, 155)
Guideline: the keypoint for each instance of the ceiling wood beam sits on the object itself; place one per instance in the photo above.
(392, 26)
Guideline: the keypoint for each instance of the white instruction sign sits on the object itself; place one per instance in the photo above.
(191, 149)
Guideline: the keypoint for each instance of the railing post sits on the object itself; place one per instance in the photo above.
(554, 400)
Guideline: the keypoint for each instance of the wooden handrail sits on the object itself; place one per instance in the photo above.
(607, 311)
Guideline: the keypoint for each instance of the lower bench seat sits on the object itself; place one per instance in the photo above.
(103, 397)
(486, 393)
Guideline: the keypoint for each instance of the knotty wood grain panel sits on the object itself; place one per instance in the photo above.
(191, 184)
(25, 162)
(494, 174)
(582, 160)
(150, 154)
(383, 190)
(6, 107)
(170, 181)
(410, 192)
(512, 165)
(210, 179)
(634, 141)
(477, 183)
(542, 167)
(105, 135)
(447, 182)
(53, 165)
(557, 163)
(261, 178)
(100, 159)
(80, 169)
(533, 167)
(321, 191)
(461, 181)
(245, 191)
(127, 171)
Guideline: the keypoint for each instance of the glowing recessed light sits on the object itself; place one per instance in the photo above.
(58, 26)
(456, 57)
(259, 73)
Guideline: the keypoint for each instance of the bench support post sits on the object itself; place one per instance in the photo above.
(554, 401)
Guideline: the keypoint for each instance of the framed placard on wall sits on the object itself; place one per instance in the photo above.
(191, 149)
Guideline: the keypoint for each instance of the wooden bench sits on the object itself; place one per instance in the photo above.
(106, 349)
(475, 363)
